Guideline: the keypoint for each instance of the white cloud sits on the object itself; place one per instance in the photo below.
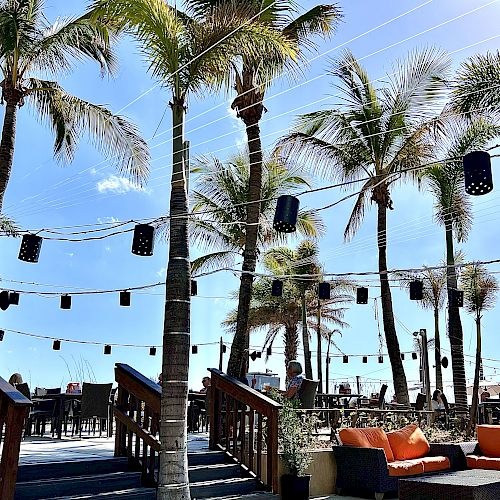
(107, 220)
(162, 273)
(115, 184)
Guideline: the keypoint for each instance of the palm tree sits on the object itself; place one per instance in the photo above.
(219, 209)
(252, 78)
(456, 137)
(187, 54)
(30, 47)
(480, 288)
(376, 134)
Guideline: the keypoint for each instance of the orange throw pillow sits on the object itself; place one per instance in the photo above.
(367, 437)
(408, 443)
(489, 440)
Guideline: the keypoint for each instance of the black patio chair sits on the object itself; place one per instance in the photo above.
(94, 407)
(43, 411)
(381, 397)
(307, 393)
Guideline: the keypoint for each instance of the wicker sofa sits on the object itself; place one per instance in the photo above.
(375, 469)
(486, 453)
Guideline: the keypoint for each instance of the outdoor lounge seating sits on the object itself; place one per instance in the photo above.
(372, 460)
(486, 454)
(307, 393)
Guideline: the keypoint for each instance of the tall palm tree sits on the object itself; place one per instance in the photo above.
(219, 208)
(480, 288)
(187, 54)
(32, 50)
(252, 78)
(376, 134)
(456, 137)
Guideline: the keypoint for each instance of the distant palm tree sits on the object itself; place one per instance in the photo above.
(456, 137)
(377, 134)
(188, 54)
(8, 227)
(30, 47)
(219, 207)
(480, 288)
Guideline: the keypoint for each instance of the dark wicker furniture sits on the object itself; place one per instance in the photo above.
(474, 484)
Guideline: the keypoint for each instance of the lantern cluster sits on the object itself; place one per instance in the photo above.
(8, 299)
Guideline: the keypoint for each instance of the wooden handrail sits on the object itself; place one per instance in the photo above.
(137, 414)
(13, 410)
(242, 420)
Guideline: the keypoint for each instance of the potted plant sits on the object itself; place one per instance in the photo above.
(295, 437)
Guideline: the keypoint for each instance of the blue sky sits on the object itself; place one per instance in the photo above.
(43, 194)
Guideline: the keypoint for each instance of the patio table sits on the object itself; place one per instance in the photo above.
(60, 400)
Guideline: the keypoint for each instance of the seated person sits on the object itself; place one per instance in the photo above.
(485, 395)
(437, 402)
(295, 377)
(15, 379)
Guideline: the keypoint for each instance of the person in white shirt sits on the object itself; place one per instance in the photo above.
(437, 402)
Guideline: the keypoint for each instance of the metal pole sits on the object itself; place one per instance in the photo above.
(221, 352)
(423, 333)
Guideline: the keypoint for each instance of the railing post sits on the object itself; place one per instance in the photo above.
(214, 419)
(120, 435)
(272, 450)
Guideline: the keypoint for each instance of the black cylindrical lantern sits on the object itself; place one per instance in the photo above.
(269, 351)
(416, 290)
(324, 290)
(253, 356)
(144, 238)
(224, 348)
(381, 359)
(152, 351)
(125, 298)
(259, 354)
(477, 173)
(402, 356)
(2, 333)
(107, 349)
(456, 298)
(444, 362)
(287, 210)
(328, 361)
(4, 300)
(194, 287)
(65, 301)
(194, 349)
(14, 298)
(414, 355)
(365, 359)
(30, 248)
(277, 288)
(345, 359)
(362, 295)
(56, 345)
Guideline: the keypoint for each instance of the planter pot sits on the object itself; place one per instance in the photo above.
(295, 487)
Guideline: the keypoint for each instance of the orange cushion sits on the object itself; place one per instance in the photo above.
(367, 437)
(432, 464)
(489, 440)
(406, 468)
(408, 442)
(475, 462)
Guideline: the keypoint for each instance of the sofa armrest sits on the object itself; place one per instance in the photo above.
(362, 468)
(456, 452)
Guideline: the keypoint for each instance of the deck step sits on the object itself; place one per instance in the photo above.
(128, 494)
(206, 457)
(33, 472)
(199, 473)
(77, 485)
(227, 487)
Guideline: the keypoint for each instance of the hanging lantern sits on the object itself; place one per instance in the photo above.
(125, 298)
(65, 301)
(402, 356)
(30, 248)
(328, 361)
(194, 288)
(477, 173)
(144, 238)
(444, 362)
(362, 295)
(414, 355)
(56, 346)
(224, 348)
(324, 290)
(259, 354)
(194, 349)
(365, 359)
(107, 349)
(14, 298)
(269, 351)
(345, 359)
(381, 359)
(416, 290)
(277, 288)
(2, 333)
(4, 300)
(287, 210)
(253, 356)
(456, 298)
(152, 351)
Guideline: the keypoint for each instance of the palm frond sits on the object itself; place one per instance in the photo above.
(8, 227)
(211, 261)
(480, 288)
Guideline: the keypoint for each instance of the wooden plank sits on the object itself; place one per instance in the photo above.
(243, 414)
(132, 426)
(13, 396)
(235, 426)
(259, 446)
(228, 420)
(272, 451)
(141, 387)
(251, 425)
(214, 418)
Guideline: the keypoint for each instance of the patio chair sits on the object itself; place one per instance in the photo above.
(40, 392)
(307, 393)
(53, 392)
(381, 397)
(420, 403)
(24, 389)
(94, 407)
(43, 411)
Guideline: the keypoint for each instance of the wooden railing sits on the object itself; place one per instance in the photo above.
(137, 414)
(13, 411)
(244, 423)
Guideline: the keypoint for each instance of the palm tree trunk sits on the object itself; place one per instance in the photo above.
(437, 351)
(7, 146)
(391, 338)
(327, 380)
(319, 353)
(250, 103)
(475, 388)
(291, 344)
(173, 482)
(305, 340)
(455, 332)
